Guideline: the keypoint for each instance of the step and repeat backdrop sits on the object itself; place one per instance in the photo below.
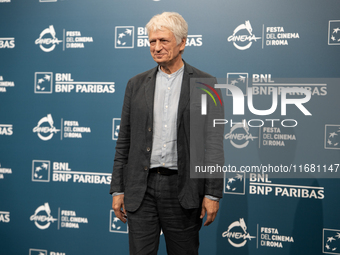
(64, 66)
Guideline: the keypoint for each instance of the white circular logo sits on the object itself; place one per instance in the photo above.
(243, 38)
(233, 237)
(237, 136)
(47, 41)
(40, 220)
(50, 129)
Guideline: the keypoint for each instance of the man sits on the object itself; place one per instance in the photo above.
(151, 182)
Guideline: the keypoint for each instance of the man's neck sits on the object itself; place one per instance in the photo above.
(169, 69)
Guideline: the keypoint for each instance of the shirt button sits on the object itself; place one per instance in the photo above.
(168, 88)
(166, 106)
(163, 164)
(145, 168)
(148, 149)
(165, 125)
(164, 145)
(149, 129)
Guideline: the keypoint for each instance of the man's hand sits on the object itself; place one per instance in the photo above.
(119, 207)
(211, 207)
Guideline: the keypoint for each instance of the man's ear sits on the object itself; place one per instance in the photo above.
(182, 44)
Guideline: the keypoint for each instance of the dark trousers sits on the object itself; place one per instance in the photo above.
(161, 210)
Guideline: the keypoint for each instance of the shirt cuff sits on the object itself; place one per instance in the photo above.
(117, 193)
(212, 198)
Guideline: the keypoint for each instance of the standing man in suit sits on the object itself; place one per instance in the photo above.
(151, 184)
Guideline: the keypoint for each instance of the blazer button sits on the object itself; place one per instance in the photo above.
(145, 168)
(148, 149)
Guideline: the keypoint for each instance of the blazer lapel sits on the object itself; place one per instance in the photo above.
(185, 91)
(149, 87)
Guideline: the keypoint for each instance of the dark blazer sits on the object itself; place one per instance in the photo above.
(134, 144)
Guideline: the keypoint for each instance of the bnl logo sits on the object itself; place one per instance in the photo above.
(116, 225)
(234, 183)
(38, 252)
(331, 241)
(115, 128)
(334, 32)
(41, 170)
(332, 136)
(124, 37)
(43, 82)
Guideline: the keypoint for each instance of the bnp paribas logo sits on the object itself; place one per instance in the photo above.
(334, 32)
(124, 37)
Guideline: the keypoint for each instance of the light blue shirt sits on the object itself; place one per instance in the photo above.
(166, 99)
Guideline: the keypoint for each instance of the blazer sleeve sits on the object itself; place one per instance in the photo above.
(123, 144)
(214, 151)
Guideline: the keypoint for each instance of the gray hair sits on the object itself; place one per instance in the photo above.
(172, 21)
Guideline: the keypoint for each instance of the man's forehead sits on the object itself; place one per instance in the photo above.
(161, 32)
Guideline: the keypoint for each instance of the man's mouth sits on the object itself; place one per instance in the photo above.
(159, 55)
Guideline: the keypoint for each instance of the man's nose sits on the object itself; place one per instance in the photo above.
(158, 46)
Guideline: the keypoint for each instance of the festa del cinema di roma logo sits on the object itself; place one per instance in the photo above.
(45, 128)
(46, 43)
(241, 234)
(42, 217)
(240, 39)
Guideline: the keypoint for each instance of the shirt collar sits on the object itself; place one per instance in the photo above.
(179, 71)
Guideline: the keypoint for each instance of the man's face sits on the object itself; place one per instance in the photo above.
(163, 47)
